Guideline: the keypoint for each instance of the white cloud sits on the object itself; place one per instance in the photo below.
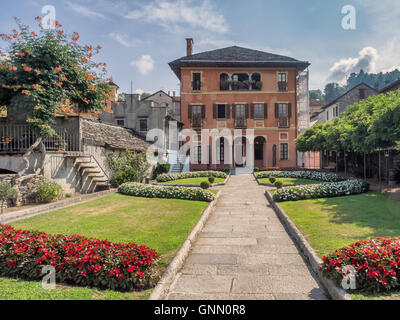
(123, 39)
(145, 64)
(84, 11)
(176, 14)
(139, 91)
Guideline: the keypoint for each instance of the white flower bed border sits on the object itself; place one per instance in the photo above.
(186, 175)
(324, 190)
(310, 175)
(164, 192)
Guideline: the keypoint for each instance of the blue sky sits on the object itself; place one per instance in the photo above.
(140, 37)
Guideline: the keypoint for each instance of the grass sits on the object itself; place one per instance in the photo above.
(162, 224)
(194, 181)
(291, 181)
(332, 223)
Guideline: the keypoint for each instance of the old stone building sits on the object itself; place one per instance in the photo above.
(172, 103)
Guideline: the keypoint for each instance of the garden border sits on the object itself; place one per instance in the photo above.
(167, 279)
(335, 292)
(194, 185)
(284, 185)
(45, 208)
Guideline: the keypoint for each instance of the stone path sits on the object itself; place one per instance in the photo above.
(244, 252)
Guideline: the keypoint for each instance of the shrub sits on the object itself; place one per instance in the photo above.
(162, 168)
(128, 174)
(68, 195)
(78, 260)
(278, 184)
(48, 191)
(211, 180)
(205, 185)
(375, 264)
(311, 175)
(6, 192)
(137, 161)
(324, 190)
(227, 171)
(272, 179)
(153, 191)
(194, 174)
(256, 169)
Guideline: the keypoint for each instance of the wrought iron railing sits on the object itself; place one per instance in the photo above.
(197, 123)
(240, 123)
(283, 122)
(282, 86)
(17, 138)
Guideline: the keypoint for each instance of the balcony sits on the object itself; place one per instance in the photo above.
(282, 86)
(240, 123)
(283, 123)
(197, 123)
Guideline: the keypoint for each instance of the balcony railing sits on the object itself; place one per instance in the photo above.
(283, 122)
(196, 85)
(197, 123)
(282, 86)
(240, 123)
(17, 138)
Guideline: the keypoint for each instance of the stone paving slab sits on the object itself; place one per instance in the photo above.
(244, 253)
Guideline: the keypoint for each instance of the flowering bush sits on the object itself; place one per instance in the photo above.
(77, 260)
(324, 190)
(375, 263)
(194, 174)
(311, 175)
(48, 191)
(152, 191)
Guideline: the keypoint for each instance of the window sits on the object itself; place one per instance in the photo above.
(361, 93)
(284, 150)
(143, 124)
(240, 111)
(121, 122)
(221, 111)
(256, 83)
(282, 81)
(240, 81)
(224, 82)
(196, 112)
(283, 110)
(197, 154)
(221, 150)
(336, 111)
(327, 115)
(196, 81)
(259, 111)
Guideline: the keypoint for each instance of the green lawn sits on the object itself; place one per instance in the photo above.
(291, 181)
(331, 223)
(162, 224)
(193, 181)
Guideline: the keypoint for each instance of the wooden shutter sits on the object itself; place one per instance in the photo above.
(246, 107)
(228, 111)
(214, 111)
(289, 110)
(252, 111)
(190, 112)
(203, 111)
(265, 110)
(277, 110)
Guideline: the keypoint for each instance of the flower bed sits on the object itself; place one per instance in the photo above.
(311, 175)
(374, 263)
(324, 190)
(195, 174)
(152, 191)
(77, 260)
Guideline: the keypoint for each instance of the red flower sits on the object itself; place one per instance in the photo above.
(83, 273)
(58, 69)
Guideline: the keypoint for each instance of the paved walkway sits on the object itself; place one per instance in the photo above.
(244, 252)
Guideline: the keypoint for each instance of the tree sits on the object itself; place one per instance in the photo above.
(6, 192)
(49, 73)
(333, 90)
(316, 95)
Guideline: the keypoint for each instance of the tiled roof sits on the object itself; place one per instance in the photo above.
(236, 57)
(391, 86)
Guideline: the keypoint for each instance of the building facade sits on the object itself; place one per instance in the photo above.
(171, 103)
(248, 93)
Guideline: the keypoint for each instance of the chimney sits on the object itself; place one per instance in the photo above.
(376, 85)
(189, 47)
(174, 93)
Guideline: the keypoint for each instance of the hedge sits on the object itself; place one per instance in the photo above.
(324, 190)
(186, 175)
(152, 191)
(76, 259)
(374, 265)
(311, 175)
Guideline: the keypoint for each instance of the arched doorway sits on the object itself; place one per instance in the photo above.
(240, 151)
(260, 148)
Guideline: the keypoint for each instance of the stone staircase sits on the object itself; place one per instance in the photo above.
(93, 177)
(178, 167)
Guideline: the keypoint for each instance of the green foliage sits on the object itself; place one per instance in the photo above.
(162, 168)
(256, 169)
(278, 184)
(128, 174)
(333, 90)
(227, 171)
(272, 180)
(205, 185)
(136, 161)
(6, 192)
(211, 180)
(48, 191)
(316, 95)
(47, 72)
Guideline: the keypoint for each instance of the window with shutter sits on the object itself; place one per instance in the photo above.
(258, 111)
(221, 111)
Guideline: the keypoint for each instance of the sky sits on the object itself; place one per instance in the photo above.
(140, 37)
